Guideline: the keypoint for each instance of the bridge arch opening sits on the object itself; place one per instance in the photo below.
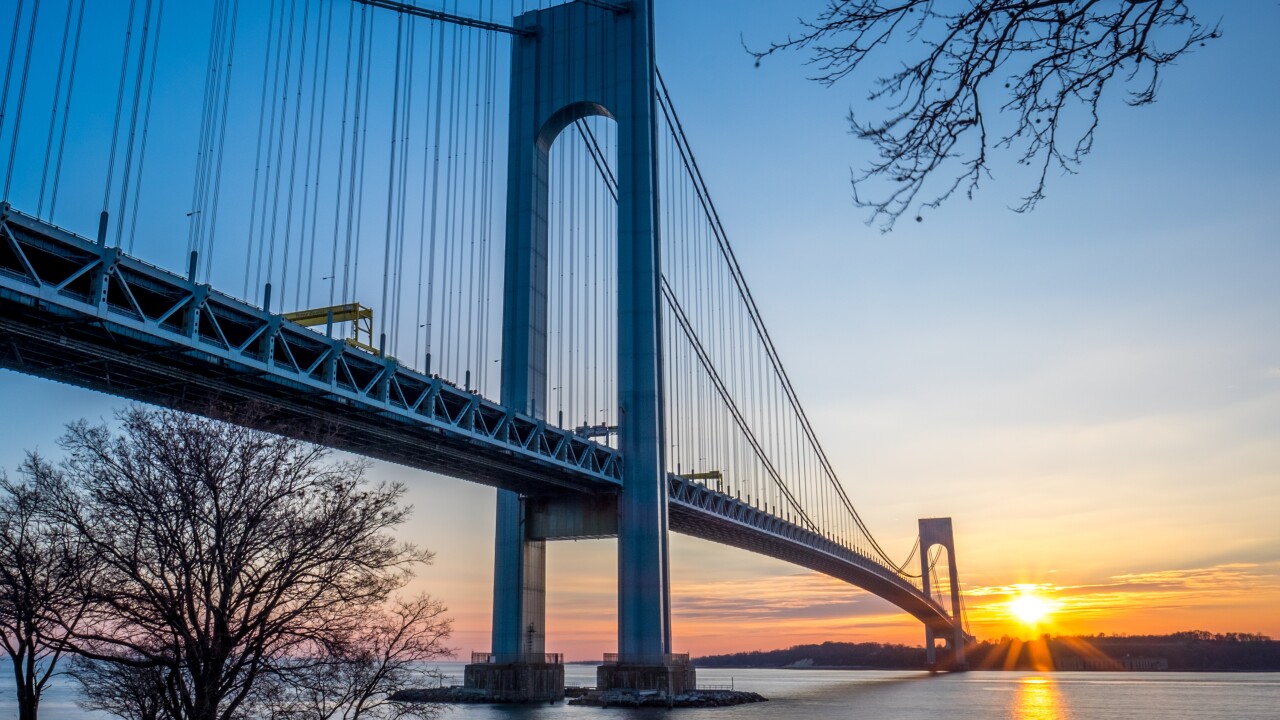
(582, 260)
(561, 119)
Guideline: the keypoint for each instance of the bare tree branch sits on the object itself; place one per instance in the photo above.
(42, 571)
(1022, 75)
(356, 676)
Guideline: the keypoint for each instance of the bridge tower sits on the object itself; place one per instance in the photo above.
(572, 61)
(937, 531)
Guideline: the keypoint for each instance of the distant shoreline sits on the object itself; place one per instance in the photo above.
(863, 668)
(1192, 651)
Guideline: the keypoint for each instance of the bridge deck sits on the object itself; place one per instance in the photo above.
(81, 313)
(75, 311)
(701, 512)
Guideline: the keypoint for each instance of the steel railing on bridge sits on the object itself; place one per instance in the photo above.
(669, 659)
(484, 658)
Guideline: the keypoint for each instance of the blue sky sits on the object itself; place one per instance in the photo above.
(1092, 389)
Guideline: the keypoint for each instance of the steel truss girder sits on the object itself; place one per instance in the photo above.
(75, 311)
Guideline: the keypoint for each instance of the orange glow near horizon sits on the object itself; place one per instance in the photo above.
(730, 601)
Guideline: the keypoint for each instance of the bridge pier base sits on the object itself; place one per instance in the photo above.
(517, 682)
(672, 678)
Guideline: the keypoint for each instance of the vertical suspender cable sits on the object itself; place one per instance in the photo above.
(435, 191)
(366, 87)
(486, 239)
(453, 235)
(146, 126)
(342, 155)
(283, 85)
(275, 150)
(66, 111)
(293, 153)
(307, 194)
(133, 121)
(463, 167)
(473, 165)
(367, 79)
(209, 111)
(22, 93)
(212, 219)
(8, 68)
(419, 325)
(257, 152)
(561, 245)
(405, 142)
(571, 239)
(57, 95)
(115, 131)
(355, 155)
(391, 180)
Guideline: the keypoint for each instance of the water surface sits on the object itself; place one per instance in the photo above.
(878, 695)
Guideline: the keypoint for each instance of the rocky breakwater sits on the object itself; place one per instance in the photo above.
(693, 699)
(455, 694)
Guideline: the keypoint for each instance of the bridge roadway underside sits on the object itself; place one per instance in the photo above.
(86, 354)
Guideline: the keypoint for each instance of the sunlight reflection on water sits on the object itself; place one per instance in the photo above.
(1038, 698)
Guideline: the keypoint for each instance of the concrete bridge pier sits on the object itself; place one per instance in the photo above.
(518, 669)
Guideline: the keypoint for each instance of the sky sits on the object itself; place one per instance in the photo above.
(1090, 390)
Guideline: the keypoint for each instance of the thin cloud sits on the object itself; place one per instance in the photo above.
(1141, 593)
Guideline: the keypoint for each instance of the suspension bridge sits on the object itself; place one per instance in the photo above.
(303, 204)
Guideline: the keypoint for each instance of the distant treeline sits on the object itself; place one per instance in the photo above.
(1182, 651)
(881, 656)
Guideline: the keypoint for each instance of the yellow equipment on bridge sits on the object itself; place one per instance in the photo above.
(360, 317)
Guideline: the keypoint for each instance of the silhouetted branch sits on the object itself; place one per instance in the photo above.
(128, 692)
(1044, 63)
(42, 573)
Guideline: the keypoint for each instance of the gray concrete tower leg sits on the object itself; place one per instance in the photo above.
(930, 652)
(642, 530)
(957, 611)
(519, 586)
(516, 664)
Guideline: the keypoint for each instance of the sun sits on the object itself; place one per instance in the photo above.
(1029, 608)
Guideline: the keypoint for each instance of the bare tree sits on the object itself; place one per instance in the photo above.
(224, 551)
(357, 676)
(40, 587)
(1043, 64)
(126, 691)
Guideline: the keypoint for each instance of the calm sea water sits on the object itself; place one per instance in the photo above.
(821, 694)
